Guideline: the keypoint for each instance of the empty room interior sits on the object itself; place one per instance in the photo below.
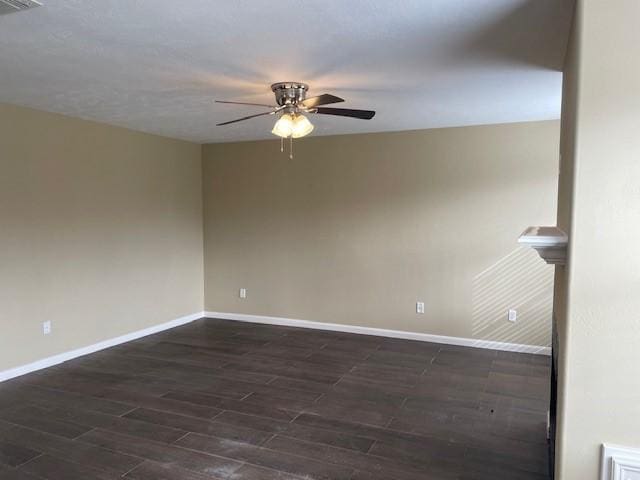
(320, 240)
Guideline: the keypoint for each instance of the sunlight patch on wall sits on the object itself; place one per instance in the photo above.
(520, 281)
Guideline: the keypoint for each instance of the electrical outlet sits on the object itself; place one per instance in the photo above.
(46, 328)
(419, 307)
(243, 293)
(513, 315)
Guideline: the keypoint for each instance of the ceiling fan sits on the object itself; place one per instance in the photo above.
(292, 105)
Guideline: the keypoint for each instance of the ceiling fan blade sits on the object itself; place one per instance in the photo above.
(346, 112)
(246, 118)
(324, 99)
(245, 103)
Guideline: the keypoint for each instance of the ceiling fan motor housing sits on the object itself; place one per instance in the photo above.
(289, 93)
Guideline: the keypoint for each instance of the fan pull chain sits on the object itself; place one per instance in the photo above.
(281, 144)
(291, 148)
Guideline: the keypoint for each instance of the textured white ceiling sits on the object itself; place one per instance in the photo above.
(157, 65)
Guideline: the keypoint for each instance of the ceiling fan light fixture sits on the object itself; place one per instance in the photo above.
(292, 125)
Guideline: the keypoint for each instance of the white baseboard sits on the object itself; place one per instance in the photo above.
(79, 352)
(381, 332)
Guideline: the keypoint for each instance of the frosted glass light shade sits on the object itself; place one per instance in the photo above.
(284, 126)
(301, 126)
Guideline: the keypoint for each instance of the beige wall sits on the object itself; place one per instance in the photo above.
(565, 205)
(100, 232)
(357, 228)
(598, 303)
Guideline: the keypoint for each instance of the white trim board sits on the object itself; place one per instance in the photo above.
(79, 352)
(619, 463)
(381, 332)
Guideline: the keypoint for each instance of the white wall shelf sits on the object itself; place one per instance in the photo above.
(549, 242)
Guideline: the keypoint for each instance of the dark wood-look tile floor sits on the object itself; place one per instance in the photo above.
(237, 401)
